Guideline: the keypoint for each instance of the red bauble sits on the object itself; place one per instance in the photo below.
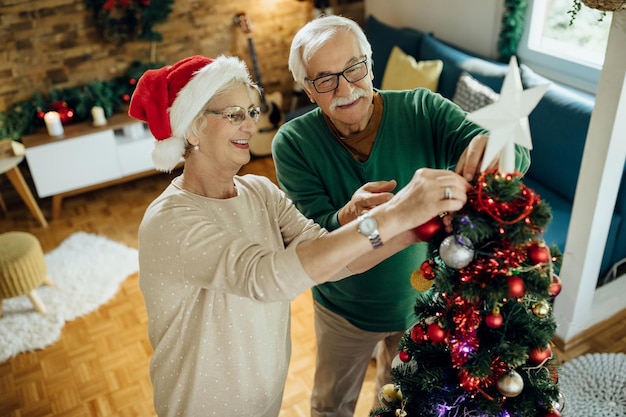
(426, 231)
(58, 105)
(538, 253)
(427, 270)
(538, 355)
(552, 413)
(126, 98)
(555, 287)
(66, 115)
(436, 333)
(516, 286)
(417, 334)
(494, 320)
(404, 356)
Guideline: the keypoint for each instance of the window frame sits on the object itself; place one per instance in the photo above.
(575, 74)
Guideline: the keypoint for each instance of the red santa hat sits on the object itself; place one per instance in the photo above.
(169, 98)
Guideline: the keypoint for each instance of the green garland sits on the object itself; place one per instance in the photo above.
(23, 117)
(512, 28)
(119, 21)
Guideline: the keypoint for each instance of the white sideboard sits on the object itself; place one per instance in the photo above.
(87, 157)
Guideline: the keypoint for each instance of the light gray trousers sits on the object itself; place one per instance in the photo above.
(343, 355)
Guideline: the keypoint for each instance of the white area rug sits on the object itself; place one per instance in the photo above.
(594, 385)
(87, 271)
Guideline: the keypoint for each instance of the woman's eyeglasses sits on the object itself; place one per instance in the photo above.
(236, 115)
(330, 82)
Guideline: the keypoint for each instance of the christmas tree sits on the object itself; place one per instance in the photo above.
(481, 343)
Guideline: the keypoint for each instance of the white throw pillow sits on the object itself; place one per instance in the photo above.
(471, 94)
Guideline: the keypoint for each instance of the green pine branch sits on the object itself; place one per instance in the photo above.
(21, 118)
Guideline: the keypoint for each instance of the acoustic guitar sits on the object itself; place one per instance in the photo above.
(271, 104)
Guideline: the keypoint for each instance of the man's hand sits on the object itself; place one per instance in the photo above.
(365, 198)
(471, 158)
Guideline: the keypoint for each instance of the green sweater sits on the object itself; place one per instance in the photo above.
(418, 129)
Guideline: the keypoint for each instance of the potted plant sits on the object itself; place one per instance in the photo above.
(602, 5)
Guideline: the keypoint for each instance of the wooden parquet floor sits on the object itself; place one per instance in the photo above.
(99, 366)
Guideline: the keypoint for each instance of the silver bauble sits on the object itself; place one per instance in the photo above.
(559, 404)
(456, 251)
(510, 384)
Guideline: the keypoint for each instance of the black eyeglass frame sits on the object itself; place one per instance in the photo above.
(337, 74)
(230, 112)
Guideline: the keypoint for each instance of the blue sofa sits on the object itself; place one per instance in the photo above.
(558, 124)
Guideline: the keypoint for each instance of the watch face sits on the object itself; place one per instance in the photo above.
(367, 226)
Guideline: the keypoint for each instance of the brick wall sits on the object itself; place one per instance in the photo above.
(46, 44)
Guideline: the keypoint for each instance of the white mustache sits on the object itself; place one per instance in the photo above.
(356, 94)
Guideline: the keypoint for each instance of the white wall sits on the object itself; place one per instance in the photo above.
(475, 25)
(580, 305)
(449, 20)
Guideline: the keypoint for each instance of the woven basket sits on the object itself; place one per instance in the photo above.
(594, 385)
(606, 5)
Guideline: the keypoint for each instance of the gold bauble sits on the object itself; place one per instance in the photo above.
(419, 282)
(541, 309)
(389, 395)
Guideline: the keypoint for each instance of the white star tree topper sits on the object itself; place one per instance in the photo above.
(507, 120)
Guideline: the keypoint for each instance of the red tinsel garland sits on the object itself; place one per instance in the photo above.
(500, 262)
(520, 207)
(463, 339)
(464, 343)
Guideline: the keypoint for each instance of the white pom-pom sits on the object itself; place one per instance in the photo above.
(167, 153)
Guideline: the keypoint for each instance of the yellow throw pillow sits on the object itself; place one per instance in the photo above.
(403, 72)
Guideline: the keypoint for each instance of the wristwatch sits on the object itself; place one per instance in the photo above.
(368, 227)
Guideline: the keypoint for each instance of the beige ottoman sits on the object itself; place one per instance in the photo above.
(22, 268)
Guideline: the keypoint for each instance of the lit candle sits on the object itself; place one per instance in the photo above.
(53, 123)
(97, 113)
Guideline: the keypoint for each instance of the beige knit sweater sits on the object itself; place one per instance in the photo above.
(217, 277)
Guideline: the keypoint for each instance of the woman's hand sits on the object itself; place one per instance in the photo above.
(430, 192)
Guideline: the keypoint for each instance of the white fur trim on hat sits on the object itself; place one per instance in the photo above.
(201, 88)
(168, 153)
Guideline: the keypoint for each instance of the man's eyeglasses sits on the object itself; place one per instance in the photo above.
(330, 82)
(236, 115)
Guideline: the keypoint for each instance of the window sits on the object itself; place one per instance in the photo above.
(570, 53)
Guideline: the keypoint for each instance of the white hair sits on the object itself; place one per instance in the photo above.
(312, 36)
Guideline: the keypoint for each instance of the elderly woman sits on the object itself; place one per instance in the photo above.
(221, 255)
